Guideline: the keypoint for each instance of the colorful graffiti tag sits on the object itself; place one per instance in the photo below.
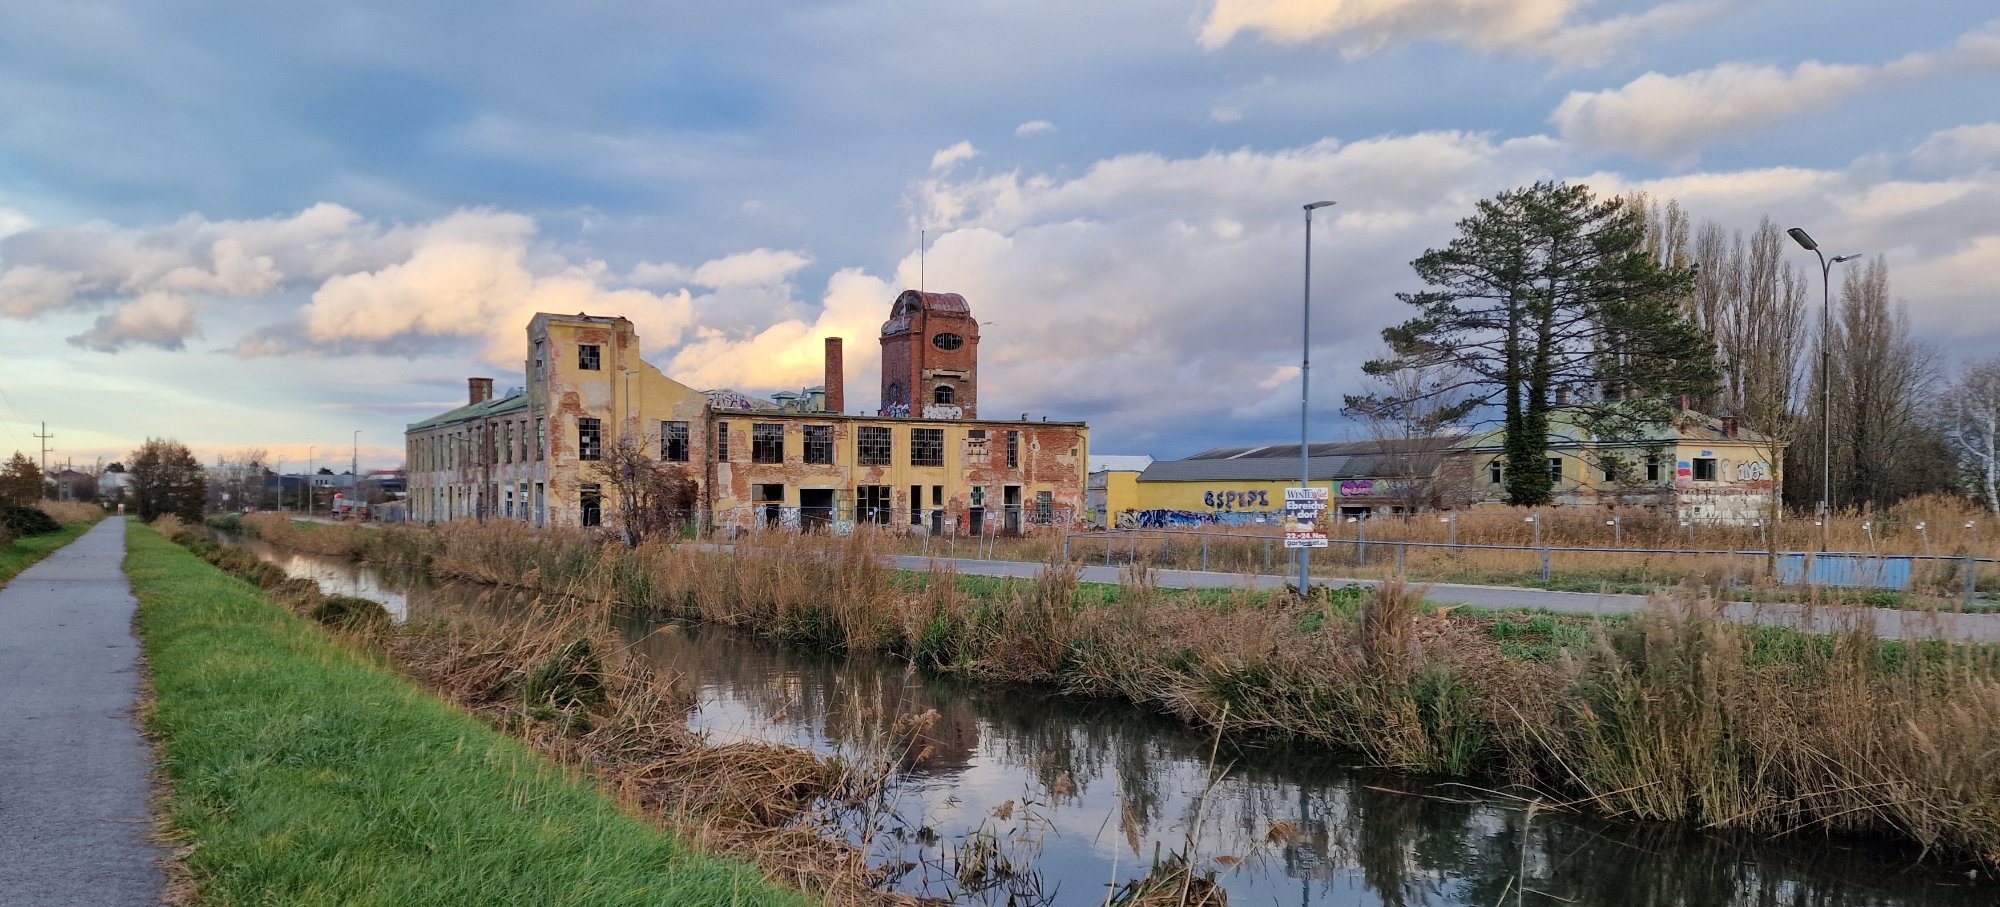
(1237, 500)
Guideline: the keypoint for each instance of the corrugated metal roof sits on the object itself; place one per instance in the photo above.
(514, 401)
(1119, 463)
(1258, 469)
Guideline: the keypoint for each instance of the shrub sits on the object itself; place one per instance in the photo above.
(345, 612)
(71, 511)
(25, 521)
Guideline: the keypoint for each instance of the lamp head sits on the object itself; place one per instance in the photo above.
(1319, 205)
(1837, 259)
(1804, 239)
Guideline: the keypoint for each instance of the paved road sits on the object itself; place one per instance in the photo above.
(73, 769)
(1887, 623)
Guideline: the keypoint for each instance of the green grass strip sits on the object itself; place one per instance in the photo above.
(24, 552)
(308, 776)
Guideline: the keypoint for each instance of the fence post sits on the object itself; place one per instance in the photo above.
(1267, 554)
(1401, 549)
(1132, 559)
(1971, 572)
(1109, 537)
(1361, 540)
(1204, 553)
(1545, 565)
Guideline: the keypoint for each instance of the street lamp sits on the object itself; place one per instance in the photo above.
(1825, 375)
(1305, 388)
(309, 477)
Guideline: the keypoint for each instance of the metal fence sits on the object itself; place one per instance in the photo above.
(1264, 553)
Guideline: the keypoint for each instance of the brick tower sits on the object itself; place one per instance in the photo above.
(930, 357)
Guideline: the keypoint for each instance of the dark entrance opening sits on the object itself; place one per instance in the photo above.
(770, 500)
(815, 508)
(1010, 501)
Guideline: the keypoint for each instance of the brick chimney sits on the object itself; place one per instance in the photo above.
(479, 390)
(836, 378)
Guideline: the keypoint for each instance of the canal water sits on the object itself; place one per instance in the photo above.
(1081, 795)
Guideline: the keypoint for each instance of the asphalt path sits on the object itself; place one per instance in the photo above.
(1887, 623)
(74, 819)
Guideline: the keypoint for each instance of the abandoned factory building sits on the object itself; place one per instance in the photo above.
(542, 453)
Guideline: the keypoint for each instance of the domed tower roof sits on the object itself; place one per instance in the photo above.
(912, 302)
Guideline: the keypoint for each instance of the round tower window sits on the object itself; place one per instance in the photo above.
(944, 395)
(947, 341)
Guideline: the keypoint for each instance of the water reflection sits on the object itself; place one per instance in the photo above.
(1094, 790)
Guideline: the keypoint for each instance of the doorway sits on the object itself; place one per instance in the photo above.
(815, 508)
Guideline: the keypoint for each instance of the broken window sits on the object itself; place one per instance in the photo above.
(507, 451)
(722, 441)
(1652, 467)
(1494, 472)
(1013, 450)
(872, 446)
(872, 504)
(819, 444)
(541, 438)
(944, 395)
(916, 504)
(1045, 507)
(674, 442)
(588, 357)
(767, 443)
(1704, 469)
(589, 439)
(591, 500)
(947, 341)
(927, 447)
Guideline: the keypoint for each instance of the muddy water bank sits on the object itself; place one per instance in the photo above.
(1074, 795)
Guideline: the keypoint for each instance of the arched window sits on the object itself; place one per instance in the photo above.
(944, 395)
(947, 341)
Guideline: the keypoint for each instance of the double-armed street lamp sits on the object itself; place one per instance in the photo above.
(1305, 388)
(1825, 376)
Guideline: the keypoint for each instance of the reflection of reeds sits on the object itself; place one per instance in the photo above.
(1674, 714)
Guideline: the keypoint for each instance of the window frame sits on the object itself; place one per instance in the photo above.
(1013, 450)
(767, 442)
(1555, 470)
(589, 439)
(590, 357)
(874, 445)
(927, 447)
(874, 504)
(957, 341)
(1714, 469)
(944, 395)
(817, 446)
(675, 441)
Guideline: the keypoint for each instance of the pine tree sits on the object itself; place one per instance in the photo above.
(1547, 288)
(20, 481)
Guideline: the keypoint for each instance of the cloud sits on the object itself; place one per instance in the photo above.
(1034, 127)
(157, 319)
(790, 353)
(946, 158)
(1525, 27)
(1225, 114)
(1960, 149)
(1673, 117)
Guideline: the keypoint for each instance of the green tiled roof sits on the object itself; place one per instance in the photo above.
(500, 406)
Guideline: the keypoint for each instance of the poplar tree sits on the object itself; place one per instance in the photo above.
(1547, 288)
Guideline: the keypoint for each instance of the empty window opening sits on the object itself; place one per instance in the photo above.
(927, 447)
(872, 504)
(588, 357)
(872, 445)
(1704, 469)
(944, 395)
(819, 444)
(767, 443)
(674, 442)
(592, 502)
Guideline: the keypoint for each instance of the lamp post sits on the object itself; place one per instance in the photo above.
(309, 477)
(1825, 376)
(1305, 389)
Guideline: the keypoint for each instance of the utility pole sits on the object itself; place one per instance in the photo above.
(45, 436)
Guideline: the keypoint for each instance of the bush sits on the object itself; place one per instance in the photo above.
(345, 612)
(25, 521)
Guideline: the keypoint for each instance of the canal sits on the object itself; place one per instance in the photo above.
(1078, 795)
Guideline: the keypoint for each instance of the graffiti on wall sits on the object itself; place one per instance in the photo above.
(1357, 489)
(1173, 519)
(1236, 500)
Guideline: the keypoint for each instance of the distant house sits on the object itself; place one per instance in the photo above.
(1112, 485)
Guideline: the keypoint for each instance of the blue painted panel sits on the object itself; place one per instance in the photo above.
(1846, 571)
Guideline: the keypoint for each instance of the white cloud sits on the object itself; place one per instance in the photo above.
(755, 268)
(946, 158)
(1225, 114)
(1034, 127)
(1961, 149)
(1672, 117)
(1527, 27)
(790, 353)
(154, 319)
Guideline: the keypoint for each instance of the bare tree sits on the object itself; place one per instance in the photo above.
(1409, 417)
(1970, 413)
(652, 497)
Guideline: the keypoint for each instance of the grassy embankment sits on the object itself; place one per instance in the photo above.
(304, 774)
(1671, 714)
(18, 554)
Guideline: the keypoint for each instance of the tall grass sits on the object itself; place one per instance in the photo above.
(1673, 714)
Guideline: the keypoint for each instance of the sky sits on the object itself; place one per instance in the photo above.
(276, 225)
